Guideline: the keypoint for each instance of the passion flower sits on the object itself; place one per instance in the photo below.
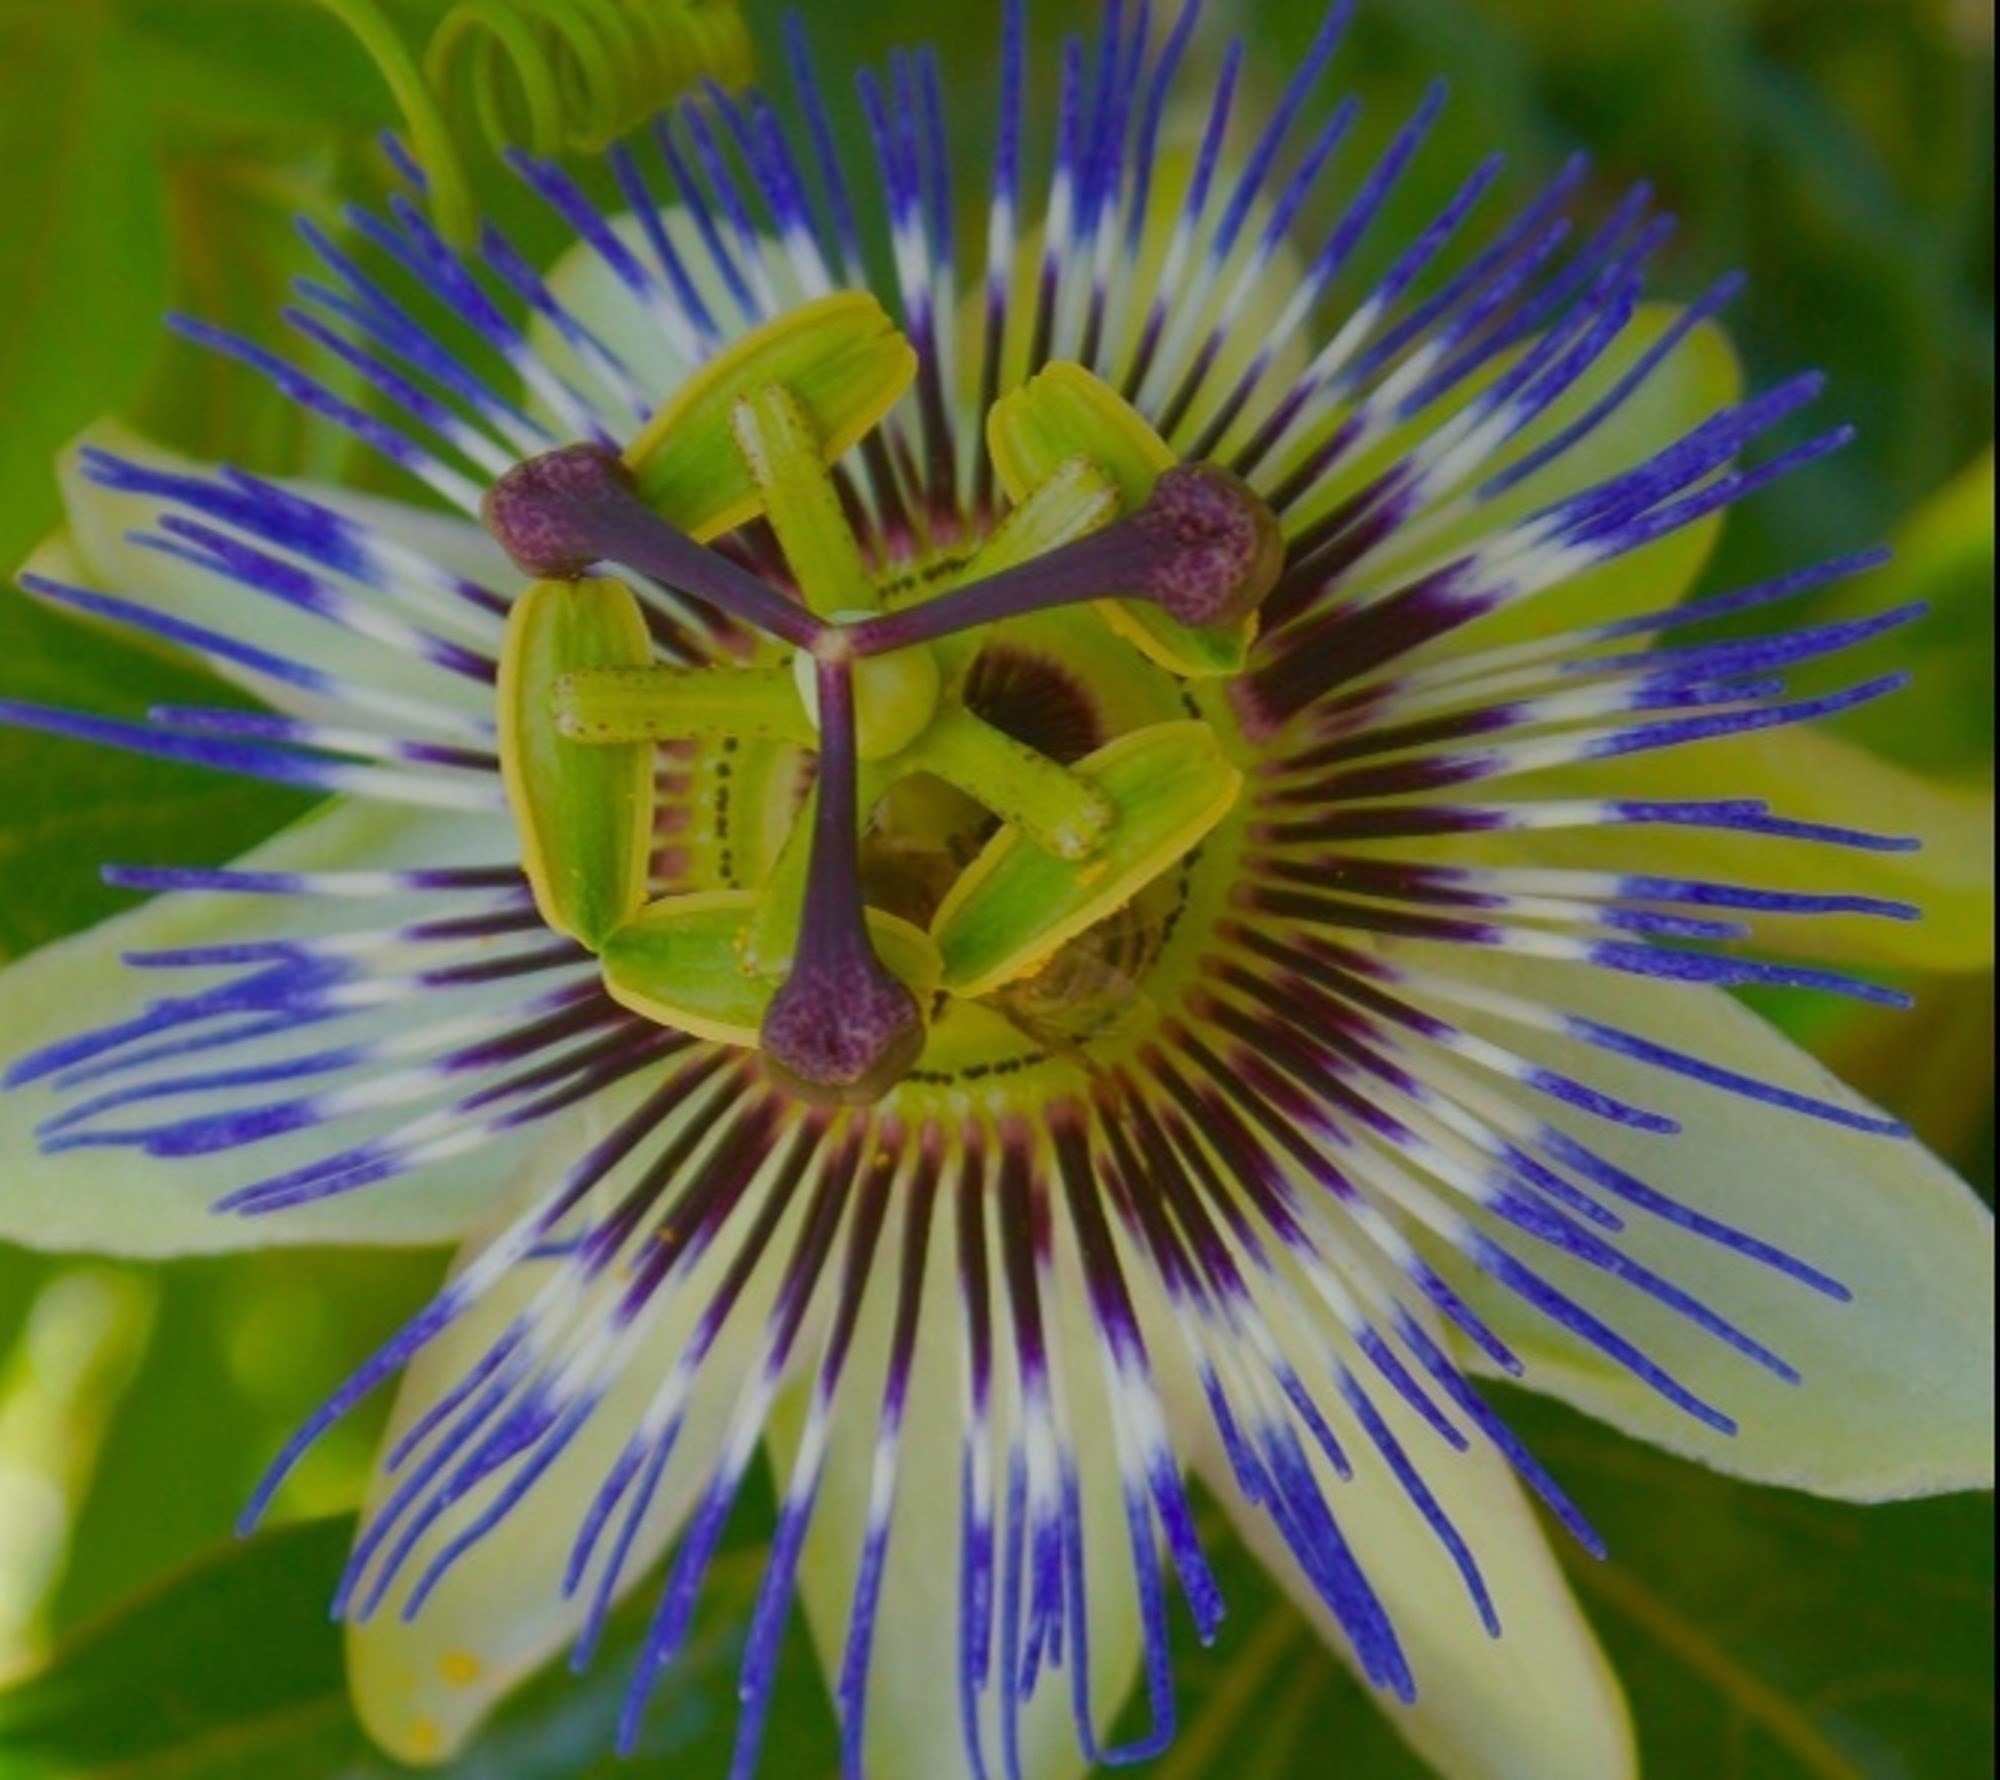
(1008, 884)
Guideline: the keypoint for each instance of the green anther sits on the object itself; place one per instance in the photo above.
(1060, 811)
(611, 706)
(1009, 915)
(842, 361)
(895, 697)
(1076, 498)
(682, 962)
(782, 451)
(1064, 413)
(584, 814)
(1075, 501)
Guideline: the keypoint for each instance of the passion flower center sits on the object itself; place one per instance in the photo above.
(879, 692)
(895, 696)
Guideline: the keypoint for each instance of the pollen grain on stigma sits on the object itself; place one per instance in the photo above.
(880, 687)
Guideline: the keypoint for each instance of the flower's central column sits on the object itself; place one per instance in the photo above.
(876, 690)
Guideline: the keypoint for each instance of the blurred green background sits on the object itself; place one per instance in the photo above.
(1840, 150)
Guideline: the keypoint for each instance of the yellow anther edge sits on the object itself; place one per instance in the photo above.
(1018, 906)
(842, 360)
(584, 814)
(1064, 412)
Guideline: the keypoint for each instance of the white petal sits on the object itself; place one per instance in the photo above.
(1540, 1702)
(423, 1686)
(1699, 378)
(913, 1712)
(639, 336)
(1897, 1398)
(445, 540)
(117, 1201)
(102, 523)
(1805, 775)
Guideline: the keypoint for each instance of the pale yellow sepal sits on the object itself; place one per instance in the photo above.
(914, 1727)
(1540, 1702)
(120, 1201)
(1805, 775)
(423, 1687)
(1898, 1390)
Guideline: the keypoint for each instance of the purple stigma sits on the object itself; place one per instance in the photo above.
(1217, 550)
(549, 514)
(1204, 548)
(844, 1029)
(558, 514)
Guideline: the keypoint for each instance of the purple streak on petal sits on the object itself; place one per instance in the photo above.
(1425, 1501)
(1635, 1191)
(1435, 1361)
(1571, 1316)
(317, 399)
(871, 1195)
(826, 152)
(647, 207)
(851, 1690)
(703, 210)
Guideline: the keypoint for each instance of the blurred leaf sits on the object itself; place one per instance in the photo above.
(237, 250)
(220, 1655)
(244, 1347)
(83, 253)
(66, 810)
(1932, 1067)
(1766, 1633)
(1944, 558)
(224, 68)
(232, 1671)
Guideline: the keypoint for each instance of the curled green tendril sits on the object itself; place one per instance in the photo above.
(550, 76)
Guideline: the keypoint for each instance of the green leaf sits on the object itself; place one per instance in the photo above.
(245, 1347)
(233, 1671)
(67, 809)
(1772, 1634)
(83, 255)
(241, 1641)
(227, 67)
(1944, 559)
